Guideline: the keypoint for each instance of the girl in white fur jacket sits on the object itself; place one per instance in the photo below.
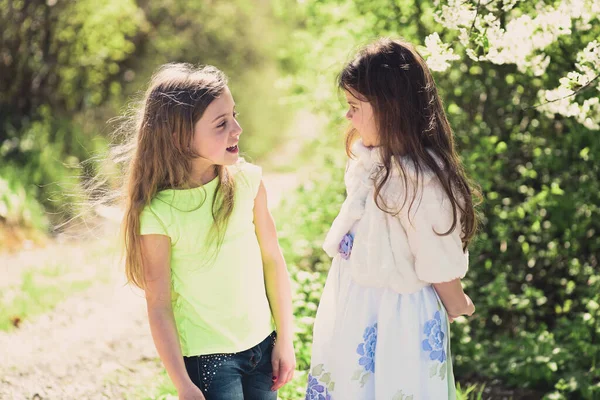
(399, 243)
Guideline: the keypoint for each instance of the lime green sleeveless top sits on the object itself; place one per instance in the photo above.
(219, 299)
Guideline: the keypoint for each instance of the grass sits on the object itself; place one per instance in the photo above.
(42, 288)
(143, 381)
(34, 297)
(166, 390)
(473, 392)
(161, 388)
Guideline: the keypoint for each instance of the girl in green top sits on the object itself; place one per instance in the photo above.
(201, 242)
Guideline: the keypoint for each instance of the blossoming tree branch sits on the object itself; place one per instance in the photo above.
(520, 32)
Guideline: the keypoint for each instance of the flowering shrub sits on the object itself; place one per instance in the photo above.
(504, 32)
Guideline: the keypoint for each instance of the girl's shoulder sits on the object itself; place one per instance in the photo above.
(245, 168)
(405, 170)
(155, 217)
(247, 175)
(408, 178)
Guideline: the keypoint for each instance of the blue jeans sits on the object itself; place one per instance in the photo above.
(247, 375)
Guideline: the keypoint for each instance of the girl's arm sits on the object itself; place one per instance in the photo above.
(156, 255)
(279, 293)
(455, 300)
(439, 259)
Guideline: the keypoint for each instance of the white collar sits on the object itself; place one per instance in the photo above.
(367, 155)
(372, 157)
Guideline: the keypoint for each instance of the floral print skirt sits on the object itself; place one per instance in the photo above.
(375, 344)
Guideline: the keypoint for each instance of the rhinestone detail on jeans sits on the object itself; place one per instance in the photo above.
(210, 363)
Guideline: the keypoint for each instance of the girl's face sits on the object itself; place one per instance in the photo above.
(217, 133)
(361, 116)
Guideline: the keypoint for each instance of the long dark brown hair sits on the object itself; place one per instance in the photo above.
(158, 151)
(410, 119)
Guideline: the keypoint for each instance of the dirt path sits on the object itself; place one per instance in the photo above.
(70, 352)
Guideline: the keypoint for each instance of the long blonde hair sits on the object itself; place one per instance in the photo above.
(157, 153)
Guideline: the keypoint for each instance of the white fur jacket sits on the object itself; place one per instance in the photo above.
(402, 253)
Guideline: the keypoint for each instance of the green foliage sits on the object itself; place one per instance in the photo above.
(534, 266)
(61, 59)
(17, 207)
(64, 54)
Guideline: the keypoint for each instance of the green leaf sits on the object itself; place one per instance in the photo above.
(584, 153)
(317, 370)
(443, 369)
(555, 189)
(501, 147)
(364, 379)
(433, 370)
(398, 396)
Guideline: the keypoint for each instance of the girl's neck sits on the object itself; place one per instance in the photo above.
(202, 174)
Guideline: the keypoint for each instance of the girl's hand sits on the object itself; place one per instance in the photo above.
(284, 363)
(470, 306)
(469, 310)
(191, 392)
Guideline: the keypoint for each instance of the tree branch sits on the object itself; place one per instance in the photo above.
(581, 89)
(476, 15)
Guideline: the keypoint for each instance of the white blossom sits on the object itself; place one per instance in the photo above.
(464, 37)
(472, 55)
(521, 39)
(438, 53)
(539, 63)
(590, 113)
(456, 14)
(562, 100)
(508, 5)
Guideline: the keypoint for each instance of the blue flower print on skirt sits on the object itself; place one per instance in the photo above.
(345, 247)
(366, 351)
(316, 390)
(434, 339)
